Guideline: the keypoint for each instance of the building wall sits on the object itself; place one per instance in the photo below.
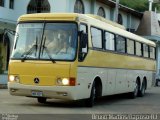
(11, 15)
(106, 8)
(59, 5)
(124, 17)
(87, 6)
(20, 8)
(134, 22)
(158, 16)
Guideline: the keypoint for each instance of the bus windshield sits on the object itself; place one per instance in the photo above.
(47, 41)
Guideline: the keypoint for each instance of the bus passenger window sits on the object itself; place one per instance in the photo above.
(145, 50)
(120, 44)
(152, 52)
(96, 37)
(109, 41)
(83, 28)
(130, 46)
(83, 51)
(138, 49)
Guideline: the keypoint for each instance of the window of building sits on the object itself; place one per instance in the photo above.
(101, 12)
(11, 4)
(120, 44)
(145, 50)
(152, 52)
(120, 19)
(138, 49)
(109, 41)
(130, 46)
(2, 3)
(38, 6)
(79, 7)
(96, 37)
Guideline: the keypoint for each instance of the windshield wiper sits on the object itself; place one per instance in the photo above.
(47, 51)
(34, 47)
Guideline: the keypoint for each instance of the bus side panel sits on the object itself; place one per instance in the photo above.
(85, 77)
(109, 87)
(114, 81)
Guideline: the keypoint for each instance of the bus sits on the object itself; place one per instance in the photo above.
(73, 56)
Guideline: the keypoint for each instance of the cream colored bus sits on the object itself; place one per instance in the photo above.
(75, 56)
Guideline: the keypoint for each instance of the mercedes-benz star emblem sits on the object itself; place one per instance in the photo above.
(36, 80)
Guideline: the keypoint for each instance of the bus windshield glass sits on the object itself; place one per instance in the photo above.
(46, 41)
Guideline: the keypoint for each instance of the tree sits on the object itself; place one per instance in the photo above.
(139, 5)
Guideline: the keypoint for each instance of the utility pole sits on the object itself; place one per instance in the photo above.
(116, 11)
(151, 3)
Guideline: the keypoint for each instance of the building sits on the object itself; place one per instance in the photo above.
(12, 9)
(150, 28)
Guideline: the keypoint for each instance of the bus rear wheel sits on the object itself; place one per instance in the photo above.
(135, 91)
(143, 89)
(42, 100)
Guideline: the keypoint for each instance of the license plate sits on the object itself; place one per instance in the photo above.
(37, 94)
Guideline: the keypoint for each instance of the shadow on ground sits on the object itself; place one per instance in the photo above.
(107, 100)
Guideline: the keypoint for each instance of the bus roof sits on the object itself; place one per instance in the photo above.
(49, 17)
(93, 20)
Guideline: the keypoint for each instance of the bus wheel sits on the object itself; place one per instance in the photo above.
(142, 90)
(135, 91)
(157, 82)
(41, 100)
(90, 101)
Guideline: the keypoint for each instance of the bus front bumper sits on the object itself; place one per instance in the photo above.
(57, 92)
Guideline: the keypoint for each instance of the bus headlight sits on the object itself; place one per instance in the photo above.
(66, 81)
(14, 78)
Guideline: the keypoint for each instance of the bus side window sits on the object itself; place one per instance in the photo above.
(83, 51)
(145, 51)
(138, 49)
(96, 37)
(83, 28)
(152, 52)
(130, 46)
(109, 41)
(120, 44)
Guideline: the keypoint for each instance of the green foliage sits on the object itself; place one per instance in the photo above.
(139, 5)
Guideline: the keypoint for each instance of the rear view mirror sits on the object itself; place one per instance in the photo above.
(83, 46)
(83, 40)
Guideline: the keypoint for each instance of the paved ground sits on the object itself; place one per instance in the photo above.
(118, 104)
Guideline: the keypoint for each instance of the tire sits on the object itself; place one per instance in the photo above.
(41, 100)
(157, 82)
(134, 94)
(91, 101)
(142, 90)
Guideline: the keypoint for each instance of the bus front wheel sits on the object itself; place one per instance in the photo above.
(41, 100)
(90, 101)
